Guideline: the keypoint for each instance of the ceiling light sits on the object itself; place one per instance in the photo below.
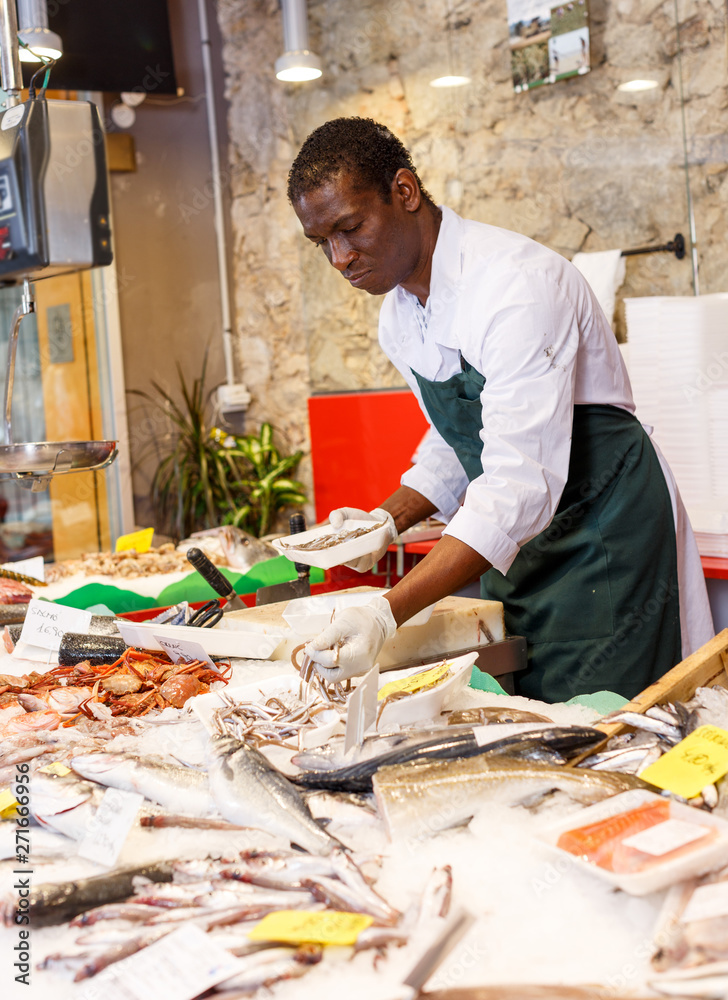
(298, 63)
(634, 86)
(34, 32)
(450, 81)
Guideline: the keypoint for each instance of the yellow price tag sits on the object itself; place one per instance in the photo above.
(139, 540)
(698, 760)
(55, 768)
(307, 927)
(8, 804)
(415, 682)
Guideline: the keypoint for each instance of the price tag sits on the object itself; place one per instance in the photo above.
(34, 567)
(361, 710)
(108, 830)
(46, 623)
(183, 965)
(8, 802)
(307, 927)
(139, 540)
(415, 682)
(708, 902)
(55, 768)
(665, 837)
(184, 651)
(700, 759)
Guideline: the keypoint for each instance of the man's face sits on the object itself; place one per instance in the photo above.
(374, 245)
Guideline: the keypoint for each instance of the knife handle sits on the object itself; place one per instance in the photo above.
(297, 524)
(210, 573)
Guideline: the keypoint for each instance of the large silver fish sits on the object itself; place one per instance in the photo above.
(179, 789)
(420, 799)
(249, 791)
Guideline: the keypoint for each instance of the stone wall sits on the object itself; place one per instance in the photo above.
(577, 165)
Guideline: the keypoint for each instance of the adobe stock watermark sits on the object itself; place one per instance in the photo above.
(715, 373)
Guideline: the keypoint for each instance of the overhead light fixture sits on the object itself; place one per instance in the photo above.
(297, 64)
(34, 32)
(450, 81)
(634, 86)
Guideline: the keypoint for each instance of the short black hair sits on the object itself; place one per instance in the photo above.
(361, 147)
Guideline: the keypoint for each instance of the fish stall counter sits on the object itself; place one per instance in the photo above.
(232, 826)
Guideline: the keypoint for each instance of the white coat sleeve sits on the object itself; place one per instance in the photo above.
(527, 350)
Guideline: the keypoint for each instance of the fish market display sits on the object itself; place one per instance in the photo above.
(230, 546)
(248, 791)
(127, 564)
(334, 538)
(417, 799)
(554, 743)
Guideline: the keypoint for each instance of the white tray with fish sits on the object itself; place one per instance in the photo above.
(308, 616)
(325, 546)
(403, 709)
(659, 874)
(285, 687)
(249, 644)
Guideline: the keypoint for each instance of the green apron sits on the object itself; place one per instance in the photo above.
(595, 594)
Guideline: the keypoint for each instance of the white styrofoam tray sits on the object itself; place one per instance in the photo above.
(660, 876)
(335, 555)
(246, 644)
(308, 616)
(424, 704)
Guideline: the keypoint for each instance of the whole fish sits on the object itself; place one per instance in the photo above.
(666, 730)
(332, 754)
(179, 789)
(56, 902)
(248, 790)
(339, 896)
(267, 967)
(488, 716)
(63, 803)
(566, 740)
(421, 799)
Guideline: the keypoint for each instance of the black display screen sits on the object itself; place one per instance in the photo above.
(112, 45)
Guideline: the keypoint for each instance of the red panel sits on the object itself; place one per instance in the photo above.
(361, 443)
(715, 568)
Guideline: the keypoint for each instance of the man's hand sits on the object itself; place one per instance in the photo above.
(365, 562)
(351, 643)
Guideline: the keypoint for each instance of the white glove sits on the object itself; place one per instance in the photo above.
(351, 643)
(365, 562)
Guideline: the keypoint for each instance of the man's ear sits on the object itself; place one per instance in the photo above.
(406, 189)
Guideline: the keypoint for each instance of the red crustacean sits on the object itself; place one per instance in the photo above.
(137, 682)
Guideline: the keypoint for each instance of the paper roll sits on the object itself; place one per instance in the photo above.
(604, 270)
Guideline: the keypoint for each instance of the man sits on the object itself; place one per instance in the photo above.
(554, 494)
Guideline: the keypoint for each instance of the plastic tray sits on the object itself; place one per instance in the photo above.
(204, 705)
(249, 645)
(697, 862)
(424, 704)
(335, 555)
(308, 616)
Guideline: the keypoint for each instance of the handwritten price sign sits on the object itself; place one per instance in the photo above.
(698, 760)
(46, 623)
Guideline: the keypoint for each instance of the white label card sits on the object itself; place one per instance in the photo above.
(361, 712)
(707, 903)
(181, 966)
(46, 623)
(109, 828)
(13, 117)
(184, 651)
(665, 837)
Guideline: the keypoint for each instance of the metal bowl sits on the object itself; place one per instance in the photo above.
(43, 459)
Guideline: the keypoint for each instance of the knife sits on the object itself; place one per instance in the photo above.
(212, 575)
(291, 589)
